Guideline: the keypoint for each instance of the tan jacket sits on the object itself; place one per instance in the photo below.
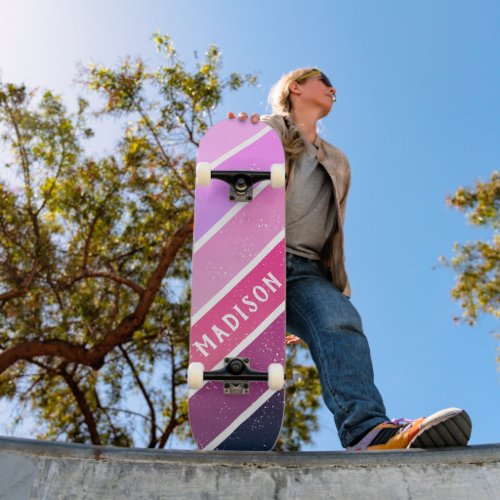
(337, 166)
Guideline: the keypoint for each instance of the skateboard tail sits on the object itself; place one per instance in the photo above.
(256, 430)
(211, 413)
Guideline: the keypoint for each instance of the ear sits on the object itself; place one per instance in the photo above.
(294, 88)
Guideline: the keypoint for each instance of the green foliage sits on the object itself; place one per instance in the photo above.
(95, 254)
(477, 264)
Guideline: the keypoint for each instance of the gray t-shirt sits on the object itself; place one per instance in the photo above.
(310, 207)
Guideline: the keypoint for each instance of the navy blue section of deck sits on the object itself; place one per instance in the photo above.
(260, 431)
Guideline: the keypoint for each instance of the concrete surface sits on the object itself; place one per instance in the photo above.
(42, 470)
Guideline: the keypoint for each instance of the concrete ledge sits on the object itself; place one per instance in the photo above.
(36, 469)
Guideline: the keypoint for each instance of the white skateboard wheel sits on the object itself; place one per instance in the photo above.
(277, 175)
(203, 173)
(276, 376)
(195, 375)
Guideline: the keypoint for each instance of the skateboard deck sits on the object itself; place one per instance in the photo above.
(238, 291)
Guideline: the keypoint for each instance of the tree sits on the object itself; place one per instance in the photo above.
(95, 255)
(477, 264)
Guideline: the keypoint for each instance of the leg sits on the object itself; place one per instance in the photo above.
(326, 320)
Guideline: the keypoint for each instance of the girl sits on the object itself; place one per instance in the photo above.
(318, 309)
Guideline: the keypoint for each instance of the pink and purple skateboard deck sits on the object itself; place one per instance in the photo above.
(238, 290)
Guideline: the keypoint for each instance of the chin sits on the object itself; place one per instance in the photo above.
(325, 111)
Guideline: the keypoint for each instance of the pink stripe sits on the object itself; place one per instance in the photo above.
(261, 302)
(210, 411)
(232, 248)
(212, 201)
(269, 346)
(227, 135)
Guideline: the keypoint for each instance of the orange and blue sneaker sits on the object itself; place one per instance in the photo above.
(450, 427)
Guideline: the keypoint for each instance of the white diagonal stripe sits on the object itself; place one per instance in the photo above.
(241, 418)
(247, 341)
(246, 270)
(227, 217)
(240, 146)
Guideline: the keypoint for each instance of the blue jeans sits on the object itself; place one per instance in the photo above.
(325, 319)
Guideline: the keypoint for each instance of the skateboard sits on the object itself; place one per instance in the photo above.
(237, 337)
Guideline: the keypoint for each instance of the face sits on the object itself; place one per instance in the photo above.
(317, 91)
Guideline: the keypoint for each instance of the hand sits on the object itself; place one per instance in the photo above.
(242, 116)
(292, 340)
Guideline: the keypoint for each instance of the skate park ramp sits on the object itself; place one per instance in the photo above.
(32, 469)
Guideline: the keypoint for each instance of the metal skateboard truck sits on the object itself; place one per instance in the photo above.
(236, 374)
(240, 181)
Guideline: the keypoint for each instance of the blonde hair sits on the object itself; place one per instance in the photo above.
(279, 96)
(281, 104)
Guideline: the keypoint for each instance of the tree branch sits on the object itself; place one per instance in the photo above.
(160, 146)
(93, 224)
(82, 404)
(53, 184)
(24, 288)
(89, 238)
(121, 334)
(152, 440)
(5, 231)
(27, 176)
(173, 422)
(114, 277)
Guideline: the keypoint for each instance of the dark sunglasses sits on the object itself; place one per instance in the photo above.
(316, 72)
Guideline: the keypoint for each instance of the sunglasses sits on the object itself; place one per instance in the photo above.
(316, 72)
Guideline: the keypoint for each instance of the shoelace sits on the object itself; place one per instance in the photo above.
(401, 421)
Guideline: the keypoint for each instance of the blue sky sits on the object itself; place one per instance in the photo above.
(418, 115)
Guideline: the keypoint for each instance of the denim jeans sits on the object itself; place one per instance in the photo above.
(325, 319)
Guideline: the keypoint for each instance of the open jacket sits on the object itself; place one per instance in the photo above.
(337, 166)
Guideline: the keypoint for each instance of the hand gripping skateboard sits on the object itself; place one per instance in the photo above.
(237, 339)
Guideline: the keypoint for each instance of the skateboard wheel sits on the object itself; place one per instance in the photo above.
(277, 175)
(276, 376)
(195, 375)
(203, 173)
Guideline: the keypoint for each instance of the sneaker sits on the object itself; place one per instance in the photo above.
(450, 427)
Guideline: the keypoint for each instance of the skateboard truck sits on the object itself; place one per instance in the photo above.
(240, 181)
(236, 375)
(236, 367)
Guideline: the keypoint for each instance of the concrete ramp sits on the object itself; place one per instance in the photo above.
(42, 470)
